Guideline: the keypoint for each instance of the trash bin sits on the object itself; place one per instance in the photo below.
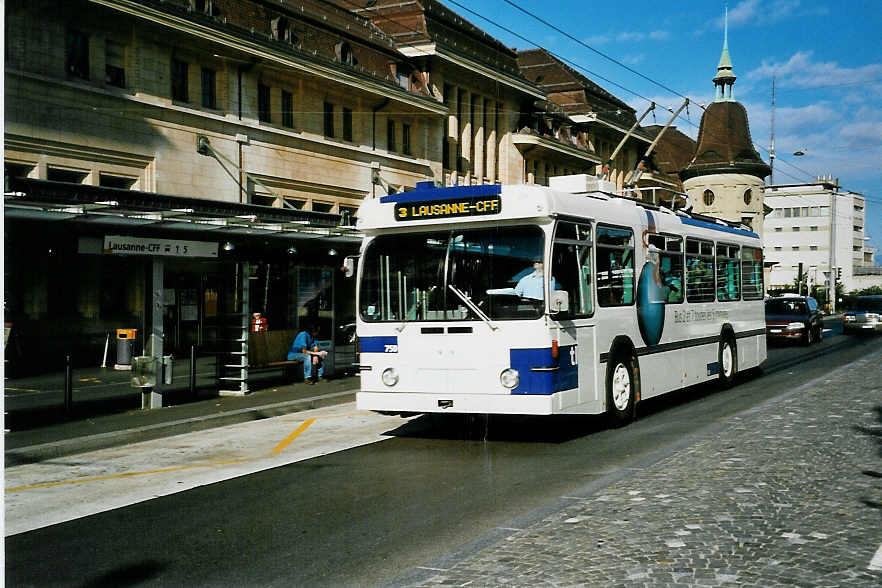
(125, 340)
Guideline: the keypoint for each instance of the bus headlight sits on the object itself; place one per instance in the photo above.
(510, 378)
(390, 376)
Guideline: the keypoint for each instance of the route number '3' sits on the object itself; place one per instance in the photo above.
(393, 348)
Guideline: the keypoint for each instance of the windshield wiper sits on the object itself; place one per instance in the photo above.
(472, 306)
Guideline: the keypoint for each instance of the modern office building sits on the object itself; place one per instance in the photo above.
(820, 226)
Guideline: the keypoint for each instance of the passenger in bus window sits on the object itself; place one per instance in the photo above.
(672, 280)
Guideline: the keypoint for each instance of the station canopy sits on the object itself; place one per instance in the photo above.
(97, 206)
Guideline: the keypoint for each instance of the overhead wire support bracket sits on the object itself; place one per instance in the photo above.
(203, 147)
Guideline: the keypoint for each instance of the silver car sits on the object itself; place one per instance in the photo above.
(865, 316)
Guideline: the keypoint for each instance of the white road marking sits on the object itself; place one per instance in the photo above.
(876, 562)
(64, 489)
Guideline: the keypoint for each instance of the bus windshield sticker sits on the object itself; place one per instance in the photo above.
(465, 206)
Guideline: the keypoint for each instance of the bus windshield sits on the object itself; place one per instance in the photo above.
(499, 269)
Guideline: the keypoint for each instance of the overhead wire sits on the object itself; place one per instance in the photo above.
(617, 62)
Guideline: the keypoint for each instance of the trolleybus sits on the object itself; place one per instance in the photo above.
(566, 299)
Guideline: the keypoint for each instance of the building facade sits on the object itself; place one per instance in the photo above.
(821, 227)
(255, 126)
(500, 127)
(593, 120)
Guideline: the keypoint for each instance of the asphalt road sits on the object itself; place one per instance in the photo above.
(363, 516)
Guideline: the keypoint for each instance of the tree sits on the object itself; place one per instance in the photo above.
(871, 291)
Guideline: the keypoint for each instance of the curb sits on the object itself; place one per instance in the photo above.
(66, 447)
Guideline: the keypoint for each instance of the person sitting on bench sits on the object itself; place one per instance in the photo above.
(304, 347)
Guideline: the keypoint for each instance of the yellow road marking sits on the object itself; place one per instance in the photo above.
(287, 440)
(278, 449)
(127, 475)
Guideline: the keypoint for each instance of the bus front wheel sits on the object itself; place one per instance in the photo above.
(621, 393)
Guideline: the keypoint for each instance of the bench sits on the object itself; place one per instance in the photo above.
(268, 350)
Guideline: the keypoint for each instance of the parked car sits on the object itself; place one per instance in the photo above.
(865, 317)
(794, 318)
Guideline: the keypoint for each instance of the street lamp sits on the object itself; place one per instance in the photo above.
(799, 152)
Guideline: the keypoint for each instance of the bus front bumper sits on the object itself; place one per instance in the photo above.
(465, 403)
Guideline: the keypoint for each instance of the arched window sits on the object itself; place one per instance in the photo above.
(708, 197)
(748, 196)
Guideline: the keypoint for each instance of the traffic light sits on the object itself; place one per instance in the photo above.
(838, 273)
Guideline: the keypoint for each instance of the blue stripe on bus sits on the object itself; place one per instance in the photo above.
(713, 226)
(378, 344)
(565, 377)
(426, 192)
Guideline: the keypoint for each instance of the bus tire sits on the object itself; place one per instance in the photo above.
(728, 356)
(621, 388)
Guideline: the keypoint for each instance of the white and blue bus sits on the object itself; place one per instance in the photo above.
(539, 300)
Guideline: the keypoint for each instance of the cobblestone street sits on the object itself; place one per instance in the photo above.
(786, 494)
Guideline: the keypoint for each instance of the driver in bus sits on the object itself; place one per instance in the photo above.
(532, 285)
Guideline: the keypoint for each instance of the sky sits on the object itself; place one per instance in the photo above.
(826, 58)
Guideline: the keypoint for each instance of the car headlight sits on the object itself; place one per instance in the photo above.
(510, 378)
(390, 376)
(850, 318)
(795, 326)
(871, 316)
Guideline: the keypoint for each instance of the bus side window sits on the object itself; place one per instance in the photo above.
(615, 267)
(670, 266)
(752, 273)
(699, 271)
(728, 271)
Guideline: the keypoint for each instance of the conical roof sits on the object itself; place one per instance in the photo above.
(724, 69)
(724, 144)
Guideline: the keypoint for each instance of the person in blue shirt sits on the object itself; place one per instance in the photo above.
(533, 284)
(305, 348)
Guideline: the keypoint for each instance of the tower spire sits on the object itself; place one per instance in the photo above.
(725, 77)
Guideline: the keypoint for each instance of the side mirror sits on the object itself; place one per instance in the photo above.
(560, 301)
(349, 265)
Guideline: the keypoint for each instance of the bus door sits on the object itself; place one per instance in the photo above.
(572, 272)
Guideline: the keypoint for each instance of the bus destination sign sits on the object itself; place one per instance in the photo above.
(453, 207)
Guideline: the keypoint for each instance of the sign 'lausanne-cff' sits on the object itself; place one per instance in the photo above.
(120, 245)
(465, 206)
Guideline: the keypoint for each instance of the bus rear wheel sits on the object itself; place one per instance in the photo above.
(728, 361)
(621, 392)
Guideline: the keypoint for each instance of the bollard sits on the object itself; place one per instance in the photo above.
(193, 370)
(68, 385)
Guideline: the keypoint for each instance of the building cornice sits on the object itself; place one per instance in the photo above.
(287, 59)
(525, 139)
